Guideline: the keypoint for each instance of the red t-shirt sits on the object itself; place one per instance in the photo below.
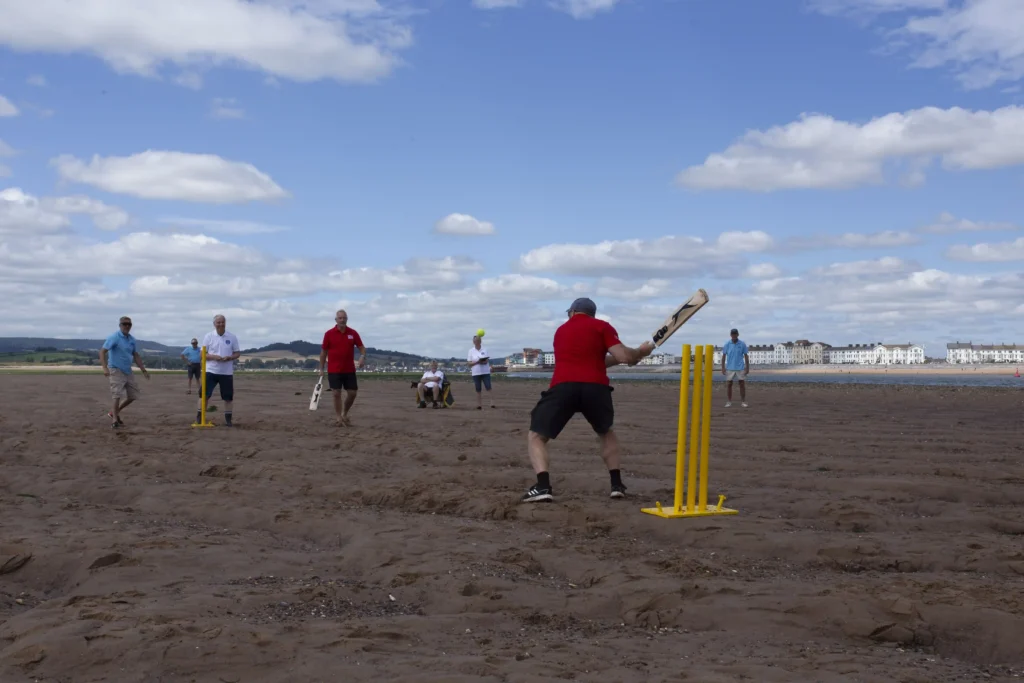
(581, 344)
(341, 348)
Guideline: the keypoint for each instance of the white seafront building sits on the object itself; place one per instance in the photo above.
(958, 353)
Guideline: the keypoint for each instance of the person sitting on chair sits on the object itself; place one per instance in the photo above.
(432, 379)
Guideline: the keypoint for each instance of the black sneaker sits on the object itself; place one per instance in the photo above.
(536, 493)
(423, 404)
(618, 491)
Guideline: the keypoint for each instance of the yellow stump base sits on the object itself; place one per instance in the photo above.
(202, 389)
(709, 511)
(690, 486)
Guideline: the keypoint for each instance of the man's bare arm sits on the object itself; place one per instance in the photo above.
(323, 359)
(138, 361)
(620, 353)
(103, 360)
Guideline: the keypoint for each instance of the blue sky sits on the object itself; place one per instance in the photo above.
(844, 171)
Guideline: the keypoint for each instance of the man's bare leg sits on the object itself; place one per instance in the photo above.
(119, 405)
(610, 450)
(338, 416)
(537, 447)
(350, 398)
(611, 454)
(743, 391)
(728, 389)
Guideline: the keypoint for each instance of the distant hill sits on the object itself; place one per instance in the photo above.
(12, 345)
(311, 350)
(23, 344)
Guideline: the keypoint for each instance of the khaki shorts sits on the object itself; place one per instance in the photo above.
(123, 385)
(731, 375)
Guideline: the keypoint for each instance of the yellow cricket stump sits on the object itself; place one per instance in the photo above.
(700, 433)
(203, 422)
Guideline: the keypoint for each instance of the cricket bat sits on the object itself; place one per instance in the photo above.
(681, 315)
(314, 402)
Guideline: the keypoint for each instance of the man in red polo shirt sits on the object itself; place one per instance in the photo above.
(338, 349)
(585, 347)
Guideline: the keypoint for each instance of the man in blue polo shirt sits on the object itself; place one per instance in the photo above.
(193, 357)
(116, 356)
(735, 366)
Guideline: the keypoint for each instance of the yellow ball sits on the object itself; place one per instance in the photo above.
(480, 332)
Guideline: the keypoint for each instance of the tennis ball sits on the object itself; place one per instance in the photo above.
(480, 332)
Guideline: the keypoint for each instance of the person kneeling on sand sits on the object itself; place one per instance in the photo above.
(432, 380)
(585, 347)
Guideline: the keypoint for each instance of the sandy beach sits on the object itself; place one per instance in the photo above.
(879, 539)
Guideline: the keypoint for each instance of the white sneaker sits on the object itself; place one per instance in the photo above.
(744, 405)
(728, 404)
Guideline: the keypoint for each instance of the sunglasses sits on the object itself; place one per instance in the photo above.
(126, 324)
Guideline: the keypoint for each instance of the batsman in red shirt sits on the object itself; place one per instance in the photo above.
(338, 350)
(585, 347)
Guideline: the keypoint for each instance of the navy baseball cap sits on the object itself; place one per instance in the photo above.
(583, 305)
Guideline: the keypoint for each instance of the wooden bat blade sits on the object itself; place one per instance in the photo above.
(314, 402)
(679, 317)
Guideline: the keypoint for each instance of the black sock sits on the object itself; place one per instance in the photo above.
(543, 480)
(227, 417)
(616, 477)
(199, 416)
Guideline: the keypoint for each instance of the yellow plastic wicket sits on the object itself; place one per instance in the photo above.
(700, 438)
(203, 422)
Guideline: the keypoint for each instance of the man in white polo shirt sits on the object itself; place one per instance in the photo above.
(431, 381)
(479, 362)
(222, 349)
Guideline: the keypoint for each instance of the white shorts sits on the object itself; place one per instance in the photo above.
(731, 375)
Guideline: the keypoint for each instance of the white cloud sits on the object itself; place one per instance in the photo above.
(226, 108)
(497, 4)
(7, 107)
(173, 175)
(988, 252)
(223, 226)
(463, 224)
(674, 255)
(24, 215)
(855, 240)
(190, 80)
(763, 271)
(585, 9)
(104, 216)
(948, 224)
(981, 40)
(887, 265)
(618, 288)
(37, 80)
(818, 151)
(290, 39)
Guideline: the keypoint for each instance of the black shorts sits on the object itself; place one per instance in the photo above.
(483, 380)
(342, 380)
(195, 370)
(558, 404)
(226, 383)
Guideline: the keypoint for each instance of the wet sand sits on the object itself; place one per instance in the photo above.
(879, 539)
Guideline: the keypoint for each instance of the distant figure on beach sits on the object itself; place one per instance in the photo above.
(338, 352)
(193, 356)
(222, 349)
(480, 368)
(116, 356)
(585, 347)
(735, 366)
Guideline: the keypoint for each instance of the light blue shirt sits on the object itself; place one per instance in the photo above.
(733, 354)
(193, 355)
(121, 351)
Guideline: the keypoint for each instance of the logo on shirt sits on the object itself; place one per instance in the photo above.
(351, 337)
